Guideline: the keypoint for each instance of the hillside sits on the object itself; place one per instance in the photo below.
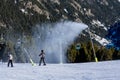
(21, 15)
(19, 18)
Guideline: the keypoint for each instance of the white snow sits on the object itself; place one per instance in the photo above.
(97, 22)
(108, 70)
(105, 28)
(15, 1)
(101, 40)
(66, 10)
(118, 0)
(84, 9)
(23, 10)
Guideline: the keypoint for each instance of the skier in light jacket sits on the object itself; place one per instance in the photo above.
(10, 60)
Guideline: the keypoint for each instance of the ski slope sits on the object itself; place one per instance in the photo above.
(109, 70)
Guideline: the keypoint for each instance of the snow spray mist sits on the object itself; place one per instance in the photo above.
(54, 39)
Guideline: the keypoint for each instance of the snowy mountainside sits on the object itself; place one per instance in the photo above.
(19, 17)
(108, 70)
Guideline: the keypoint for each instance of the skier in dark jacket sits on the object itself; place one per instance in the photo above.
(42, 57)
(10, 60)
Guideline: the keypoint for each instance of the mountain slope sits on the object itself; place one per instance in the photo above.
(19, 17)
(96, 71)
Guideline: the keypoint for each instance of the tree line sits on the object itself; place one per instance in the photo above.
(85, 53)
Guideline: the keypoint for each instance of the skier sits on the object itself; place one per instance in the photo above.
(10, 61)
(42, 57)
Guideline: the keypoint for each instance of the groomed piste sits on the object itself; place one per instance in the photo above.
(108, 70)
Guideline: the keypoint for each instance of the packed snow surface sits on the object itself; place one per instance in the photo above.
(109, 70)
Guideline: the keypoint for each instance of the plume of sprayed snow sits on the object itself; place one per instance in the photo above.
(54, 39)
